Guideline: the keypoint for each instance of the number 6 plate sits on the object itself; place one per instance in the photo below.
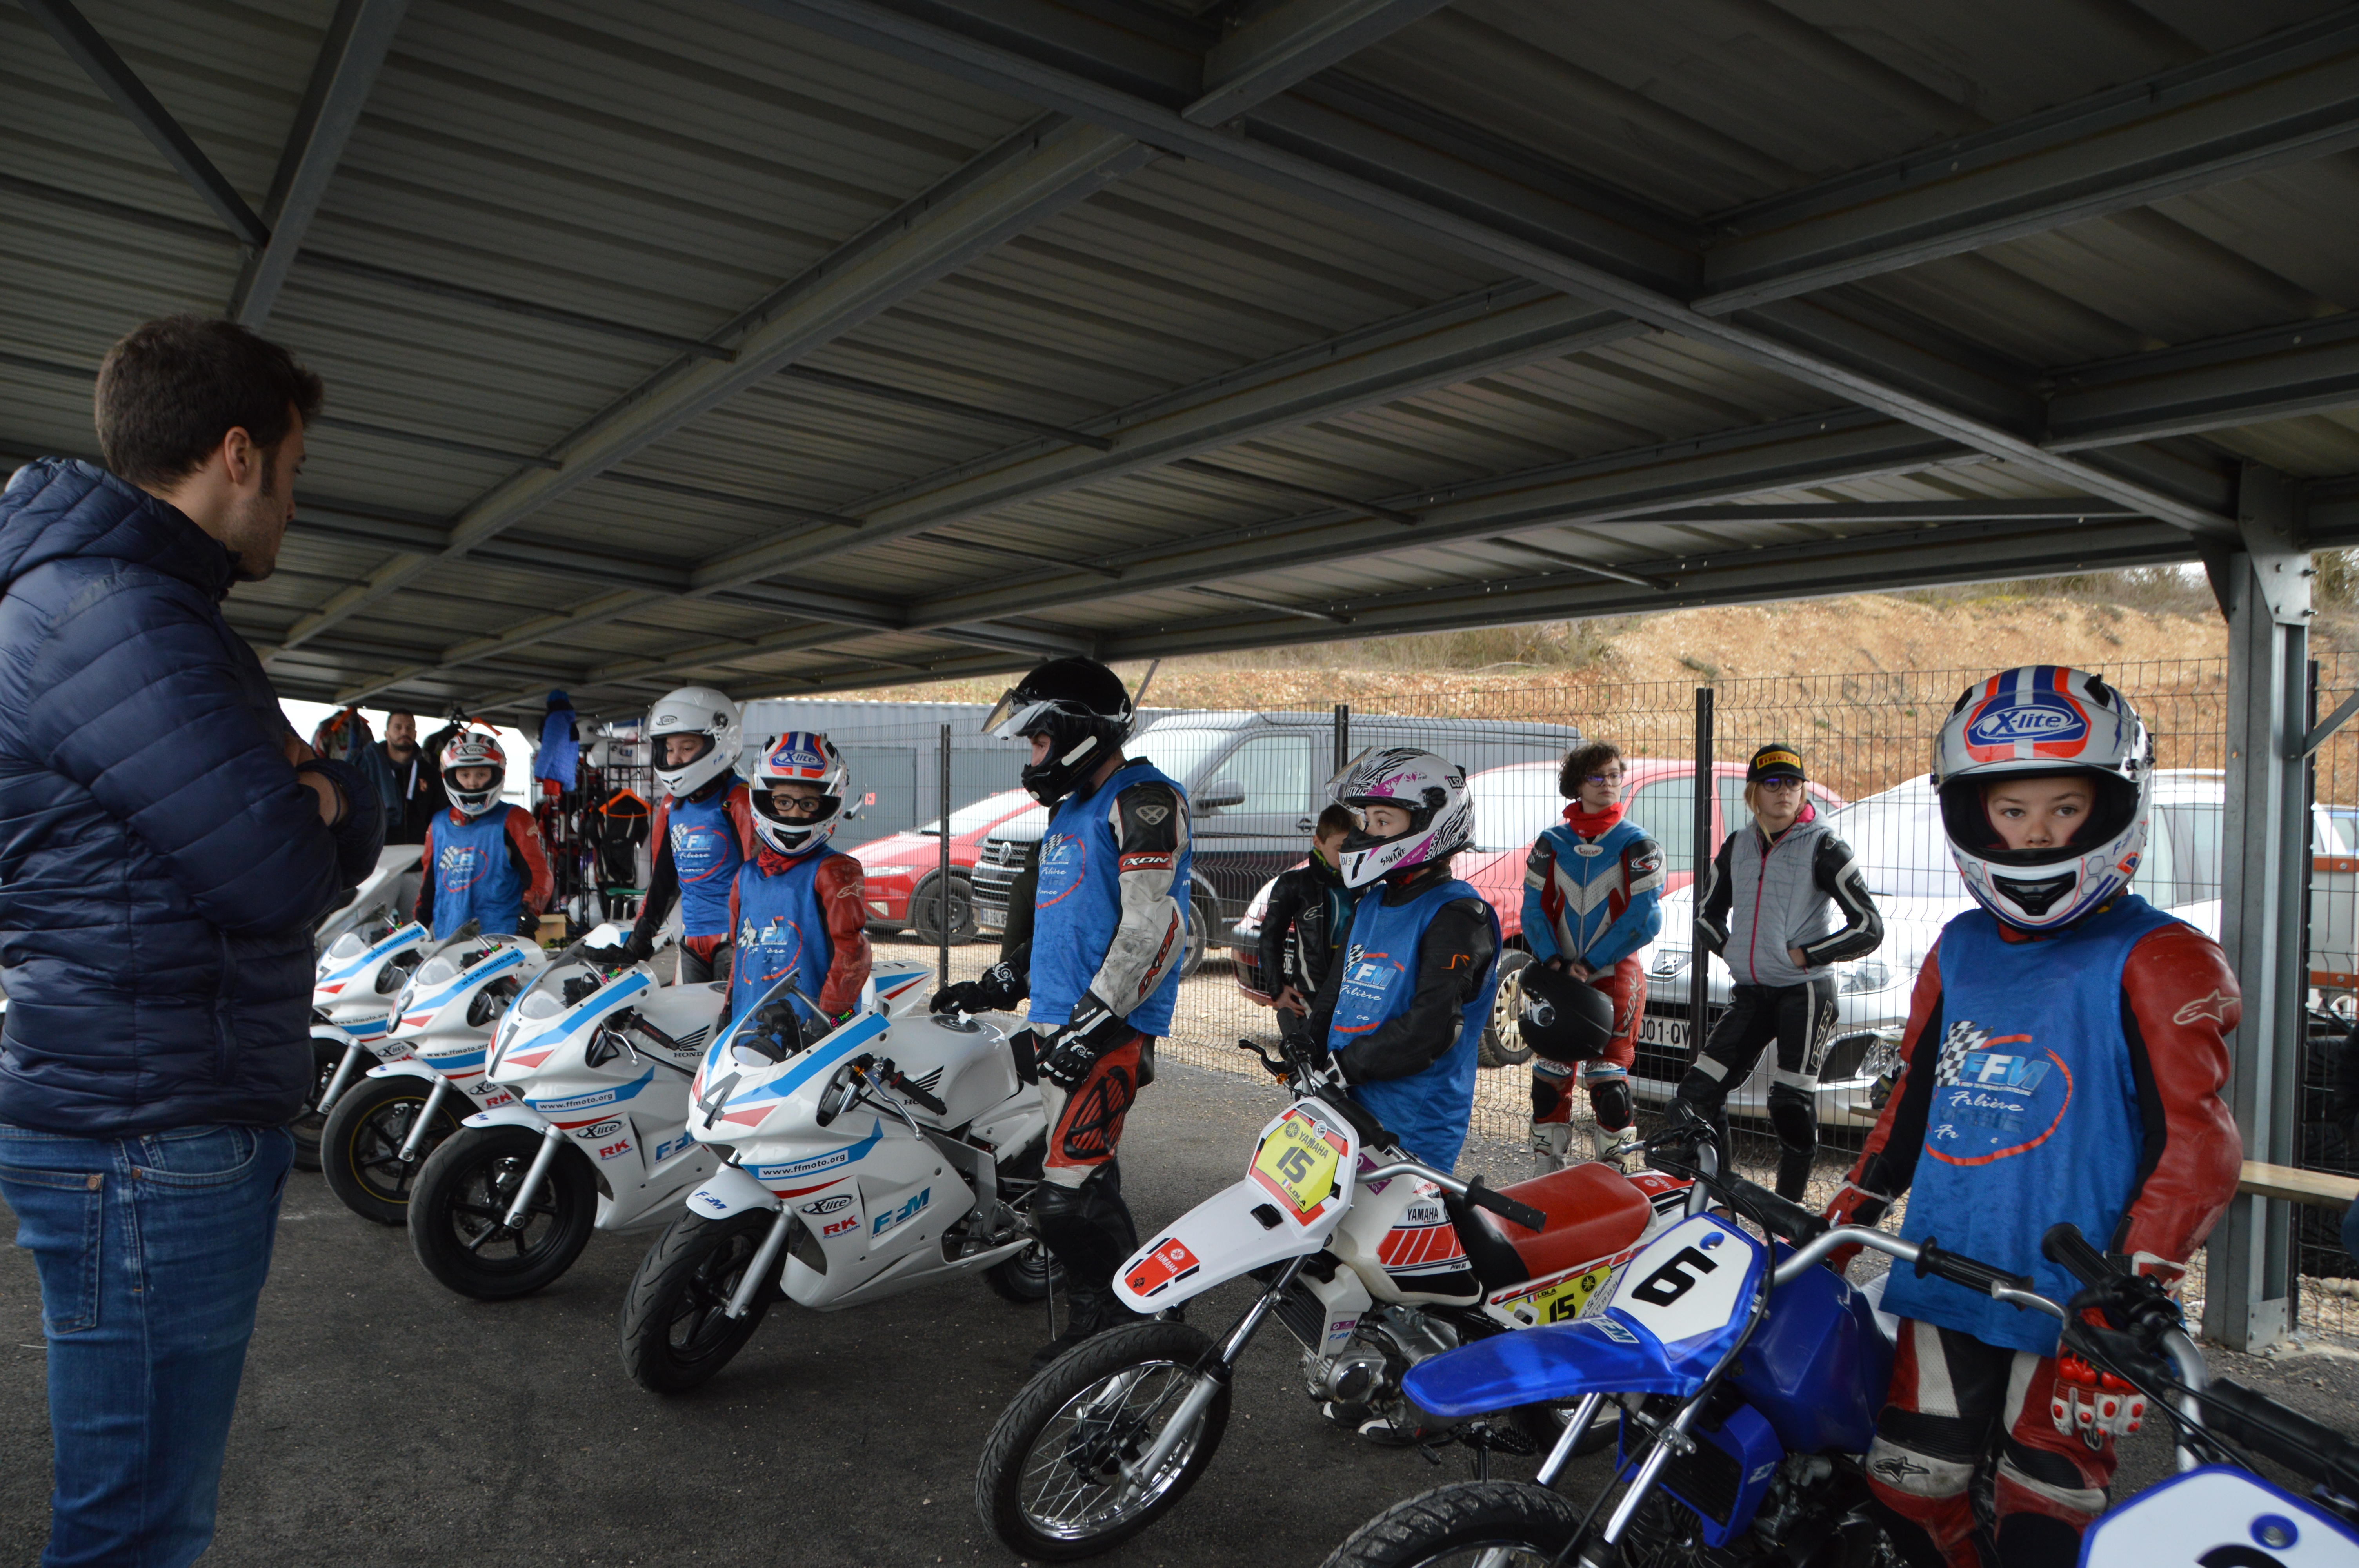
(1297, 1161)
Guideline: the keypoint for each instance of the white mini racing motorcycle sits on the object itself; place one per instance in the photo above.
(431, 1076)
(355, 985)
(1374, 1260)
(592, 1062)
(891, 1151)
(382, 898)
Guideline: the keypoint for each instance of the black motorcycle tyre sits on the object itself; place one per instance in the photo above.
(364, 1130)
(449, 1188)
(1463, 1518)
(999, 1475)
(310, 1123)
(696, 1263)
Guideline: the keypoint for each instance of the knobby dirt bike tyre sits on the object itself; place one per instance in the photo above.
(673, 1330)
(363, 1135)
(457, 1213)
(1159, 1351)
(1456, 1525)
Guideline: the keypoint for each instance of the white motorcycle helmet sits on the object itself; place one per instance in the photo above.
(474, 749)
(1433, 793)
(799, 756)
(2041, 720)
(702, 712)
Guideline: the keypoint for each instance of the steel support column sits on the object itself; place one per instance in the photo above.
(2264, 589)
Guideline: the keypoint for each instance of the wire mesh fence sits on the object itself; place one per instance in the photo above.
(1256, 784)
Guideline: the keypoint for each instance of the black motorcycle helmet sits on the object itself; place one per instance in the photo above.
(1561, 1018)
(1082, 709)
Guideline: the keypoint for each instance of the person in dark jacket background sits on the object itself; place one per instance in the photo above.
(416, 782)
(1311, 903)
(167, 845)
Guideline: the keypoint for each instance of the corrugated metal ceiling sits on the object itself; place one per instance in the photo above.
(794, 344)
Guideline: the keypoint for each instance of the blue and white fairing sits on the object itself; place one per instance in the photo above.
(1683, 1302)
(2218, 1517)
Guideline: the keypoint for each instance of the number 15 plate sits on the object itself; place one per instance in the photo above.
(1297, 1162)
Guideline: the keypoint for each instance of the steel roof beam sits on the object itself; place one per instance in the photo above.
(2280, 372)
(120, 82)
(1417, 206)
(1291, 43)
(350, 56)
(1023, 182)
(2290, 96)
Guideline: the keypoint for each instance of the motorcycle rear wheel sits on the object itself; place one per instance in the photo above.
(359, 1144)
(458, 1214)
(1044, 1485)
(1454, 1526)
(675, 1331)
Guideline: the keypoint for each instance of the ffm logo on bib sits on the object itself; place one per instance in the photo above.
(461, 866)
(1990, 1102)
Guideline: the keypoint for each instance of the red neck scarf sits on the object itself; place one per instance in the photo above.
(1589, 824)
(772, 863)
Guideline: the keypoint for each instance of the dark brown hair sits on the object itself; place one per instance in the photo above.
(171, 389)
(1335, 819)
(1581, 762)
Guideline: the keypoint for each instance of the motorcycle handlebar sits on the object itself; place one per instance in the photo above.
(2272, 1430)
(2064, 1246)
(1779, 1217)
(1960, 1269)
(901, 1081)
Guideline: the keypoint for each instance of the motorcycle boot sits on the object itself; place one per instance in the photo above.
(1087, 1230)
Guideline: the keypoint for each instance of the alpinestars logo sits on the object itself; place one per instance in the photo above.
(2213, 1007)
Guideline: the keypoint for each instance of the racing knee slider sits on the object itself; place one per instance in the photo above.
(1610, 1099)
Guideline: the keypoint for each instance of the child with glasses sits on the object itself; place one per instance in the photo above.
(1592, 888)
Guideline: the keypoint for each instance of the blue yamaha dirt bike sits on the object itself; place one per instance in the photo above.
(1748, 1379)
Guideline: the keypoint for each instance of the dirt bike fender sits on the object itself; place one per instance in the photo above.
(1211, 1244)
(730, 1191)
(509, 1115)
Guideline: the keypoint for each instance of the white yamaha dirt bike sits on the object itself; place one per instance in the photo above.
(431, 1075)
(1374, 1260)
(593, 1060)
(895, 1150)
(354, 985)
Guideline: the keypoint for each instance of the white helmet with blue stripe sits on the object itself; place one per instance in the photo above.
(2043, 721)
(800, 757)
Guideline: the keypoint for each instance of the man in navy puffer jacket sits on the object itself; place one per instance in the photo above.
(167, 845)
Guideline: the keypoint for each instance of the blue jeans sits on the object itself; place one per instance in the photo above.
(152, 1253)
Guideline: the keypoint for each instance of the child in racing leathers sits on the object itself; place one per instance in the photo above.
(1310, 905)
(2062, 1061)
(1592, 892)
(1402, 1012)
(798, 908)
(1766, 911)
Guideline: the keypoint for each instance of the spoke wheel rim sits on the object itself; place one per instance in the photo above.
(1070, 1486)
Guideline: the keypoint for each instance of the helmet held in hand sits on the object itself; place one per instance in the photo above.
(1561, 1018)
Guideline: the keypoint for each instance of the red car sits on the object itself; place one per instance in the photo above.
(1513, 804)
(902, 867)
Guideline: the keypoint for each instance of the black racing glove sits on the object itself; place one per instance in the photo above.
(1069, 1053)
(998, 987)
(638, 947)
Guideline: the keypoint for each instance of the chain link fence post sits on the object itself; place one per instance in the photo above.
(1699, 957)
(943, 919)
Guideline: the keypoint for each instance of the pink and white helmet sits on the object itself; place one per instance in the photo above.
(1433, 793)
(799, 756)
(2040, 720)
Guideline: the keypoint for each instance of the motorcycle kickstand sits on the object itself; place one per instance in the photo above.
(425, 1119)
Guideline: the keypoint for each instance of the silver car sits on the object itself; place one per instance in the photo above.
(1898, 837)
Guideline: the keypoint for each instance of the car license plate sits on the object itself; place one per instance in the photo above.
(989, 918)
(1663, 1033)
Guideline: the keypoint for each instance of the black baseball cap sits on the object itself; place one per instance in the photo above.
(1775, 761)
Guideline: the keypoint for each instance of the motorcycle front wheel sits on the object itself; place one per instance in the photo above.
(327, 1055)
(1027, 1277)
(458, 1214)
(359, 1144)
(1058, 1479)
(1526, 1526)
(676, 1330)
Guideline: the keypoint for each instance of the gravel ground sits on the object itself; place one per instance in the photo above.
(384, 1421)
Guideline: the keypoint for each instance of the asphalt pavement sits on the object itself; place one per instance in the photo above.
(384, 1421)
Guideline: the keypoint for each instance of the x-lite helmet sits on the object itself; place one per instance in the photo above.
(2043, 721)
(1082, 709)
(799, 756)
(1433, 793)
(711, 719)
(474, 749)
